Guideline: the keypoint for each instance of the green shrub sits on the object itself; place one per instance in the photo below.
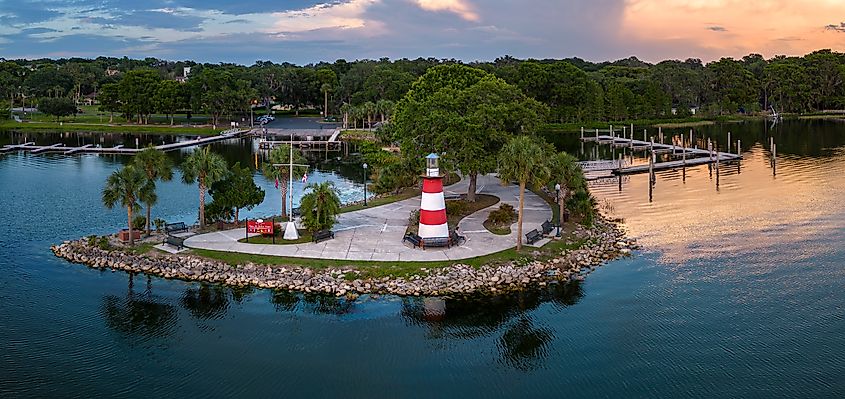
(414, 218)
(457, 208)
(159, 224)
(139, 222)
(103, 243)
(505, 215)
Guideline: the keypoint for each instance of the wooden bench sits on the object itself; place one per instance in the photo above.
(436, 242)
(177, 242)
(323, 235)
(178, 227)
(533, 236)
(456, 238)
(449, 197)
(547, 227)
(413, 239)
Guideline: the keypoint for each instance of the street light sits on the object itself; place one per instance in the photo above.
(557, 197)
(365, 184)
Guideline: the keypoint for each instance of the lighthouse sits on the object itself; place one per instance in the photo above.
(433, 204)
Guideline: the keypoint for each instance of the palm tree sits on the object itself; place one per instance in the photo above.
(125, 186)
(384, 108)
(326, 89)
(320, 206)
(346, 108)
(368, 109)
(278, 170)
(155, 165)
(204, 167)
(522, 160)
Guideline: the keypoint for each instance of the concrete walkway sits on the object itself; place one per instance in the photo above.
(376, 233)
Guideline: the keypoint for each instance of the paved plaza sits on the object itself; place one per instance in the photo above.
(376, 233)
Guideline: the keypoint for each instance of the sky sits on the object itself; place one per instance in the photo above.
(308, 31)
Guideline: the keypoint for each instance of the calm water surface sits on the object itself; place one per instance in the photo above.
(737, 294)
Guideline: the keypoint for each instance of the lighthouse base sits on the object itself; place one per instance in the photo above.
(434, 231)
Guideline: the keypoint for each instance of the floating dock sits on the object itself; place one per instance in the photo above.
(119, 149)
(690, 156)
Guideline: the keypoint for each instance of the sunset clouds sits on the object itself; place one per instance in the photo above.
(305, 31)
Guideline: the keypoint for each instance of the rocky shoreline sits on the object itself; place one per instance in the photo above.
(603, 242)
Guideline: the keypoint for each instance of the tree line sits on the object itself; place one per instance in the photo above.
(364, 91)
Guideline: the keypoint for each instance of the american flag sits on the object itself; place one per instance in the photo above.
(304, 177)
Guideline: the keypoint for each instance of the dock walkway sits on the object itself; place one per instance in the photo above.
(119, 149)
(691, 156)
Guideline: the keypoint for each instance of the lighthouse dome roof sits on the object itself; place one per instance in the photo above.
(432, 155)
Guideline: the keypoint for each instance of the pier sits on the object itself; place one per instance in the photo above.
(304, 139)
(119, 149)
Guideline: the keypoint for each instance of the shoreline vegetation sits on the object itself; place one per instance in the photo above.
(557, 262)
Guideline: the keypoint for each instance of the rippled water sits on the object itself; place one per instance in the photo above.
(738, 294)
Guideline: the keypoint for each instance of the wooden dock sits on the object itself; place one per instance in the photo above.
(118, 149)
(691, 156)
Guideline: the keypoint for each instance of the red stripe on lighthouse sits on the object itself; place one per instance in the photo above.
(432, 185)
(432, 217)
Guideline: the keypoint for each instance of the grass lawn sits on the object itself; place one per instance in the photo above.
(456, 210)
(378, 269)
(304, 237)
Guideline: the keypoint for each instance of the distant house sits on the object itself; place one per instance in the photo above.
(111, 72)
(89, 99)
(186, 72)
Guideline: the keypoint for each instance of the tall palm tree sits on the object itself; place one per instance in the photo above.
(368, 109)
(156, 166)
(204, 167)
(278, 170)
(125, 186)
(320, 206)
(326, 89)
(523, 160)
(346, 108)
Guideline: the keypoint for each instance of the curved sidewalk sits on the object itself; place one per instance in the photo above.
(376, 233)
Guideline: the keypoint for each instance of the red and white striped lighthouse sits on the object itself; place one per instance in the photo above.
(433, 204)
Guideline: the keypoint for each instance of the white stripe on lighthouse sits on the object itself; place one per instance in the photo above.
(428, 231)
(432, 201)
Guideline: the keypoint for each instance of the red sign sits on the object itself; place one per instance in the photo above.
(262, 227)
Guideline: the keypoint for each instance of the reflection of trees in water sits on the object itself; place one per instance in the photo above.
(139, 315)
(206, 301)
(524, 345)
(240, 293)
(287, 301)
(521, 344)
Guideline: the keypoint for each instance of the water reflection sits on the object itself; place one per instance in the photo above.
(320, 304)
(139, 315)
(744, 207)
(206, 301)
(521, 343)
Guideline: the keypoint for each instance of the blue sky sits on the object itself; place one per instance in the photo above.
(304, 31)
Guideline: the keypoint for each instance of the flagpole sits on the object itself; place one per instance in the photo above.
(290, 229)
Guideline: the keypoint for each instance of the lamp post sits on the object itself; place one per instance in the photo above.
(557, 197)
(365, 184)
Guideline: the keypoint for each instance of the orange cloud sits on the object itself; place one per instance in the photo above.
(737, 27)
(461, 7)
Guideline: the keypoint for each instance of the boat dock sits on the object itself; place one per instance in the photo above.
(690, 156)
(306, 140)
(119, 149)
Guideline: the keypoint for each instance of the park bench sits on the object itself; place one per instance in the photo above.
(323, 235)
(449, 197)
(436, 242)
(457, 239)
(533, 236)
(178, 227)
(413, 239)
(174, 241)
(547, 227)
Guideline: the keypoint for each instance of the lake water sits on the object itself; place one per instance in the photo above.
(738, 293)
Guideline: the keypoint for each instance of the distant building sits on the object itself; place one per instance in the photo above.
(186, 73)
(111, 72)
